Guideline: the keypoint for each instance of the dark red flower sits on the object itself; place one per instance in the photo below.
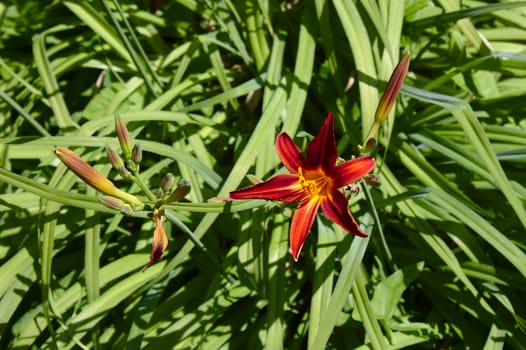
(314, 181)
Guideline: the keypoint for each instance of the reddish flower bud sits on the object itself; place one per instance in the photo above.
(123, 136)
(392, 89)
(182, 189)
(137, 153)
(387, 101)
(110, 202)
(92, 177)
(114, 157)
(374, 180)
(166, 182)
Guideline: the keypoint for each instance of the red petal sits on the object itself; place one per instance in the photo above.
(322, 149)
(336, 209)
(160, 241)
(301, 224)
(285, 188)
(289, 153)
(352, 170)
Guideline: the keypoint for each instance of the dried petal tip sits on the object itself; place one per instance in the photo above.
(160, 241)
(123, 136)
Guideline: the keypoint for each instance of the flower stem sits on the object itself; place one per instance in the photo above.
(136, 178)
(380, 242)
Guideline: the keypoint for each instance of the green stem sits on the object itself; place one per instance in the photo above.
(382, 246)
(137, 179)
(215, 260)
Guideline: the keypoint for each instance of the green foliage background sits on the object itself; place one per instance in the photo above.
(205, 86)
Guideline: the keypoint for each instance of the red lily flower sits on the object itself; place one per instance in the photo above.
(314, 180)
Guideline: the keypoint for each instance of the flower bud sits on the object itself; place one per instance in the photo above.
(123, 136)
(167, 181)
(182, 189)
(137, 153)
(391, 91)
(124, 172)
(110, 202)
(92, 177)
(373, 180)
(387, 101)
(113, 157)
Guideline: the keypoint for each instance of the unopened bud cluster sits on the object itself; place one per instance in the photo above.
(128, 167)
(132, 152)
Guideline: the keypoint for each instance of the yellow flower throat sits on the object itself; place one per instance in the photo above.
(314, 182)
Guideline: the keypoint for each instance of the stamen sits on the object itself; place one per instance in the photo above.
(315, 183)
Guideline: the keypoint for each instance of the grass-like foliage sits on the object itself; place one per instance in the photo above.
(204, 87)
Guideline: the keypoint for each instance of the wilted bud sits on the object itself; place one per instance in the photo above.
(92, 177)
(123, 136)
(160, 241)
(159, 193)
(182, 189)
(374, 180)
(137, 153)
(167, 181)
(113, 157)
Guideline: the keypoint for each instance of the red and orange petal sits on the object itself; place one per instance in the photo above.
(289, 153)
(301, 224)
(336, 208)
(85, 171)
(322, 149)
(351, 171)
(284, 188)
(160, 241)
